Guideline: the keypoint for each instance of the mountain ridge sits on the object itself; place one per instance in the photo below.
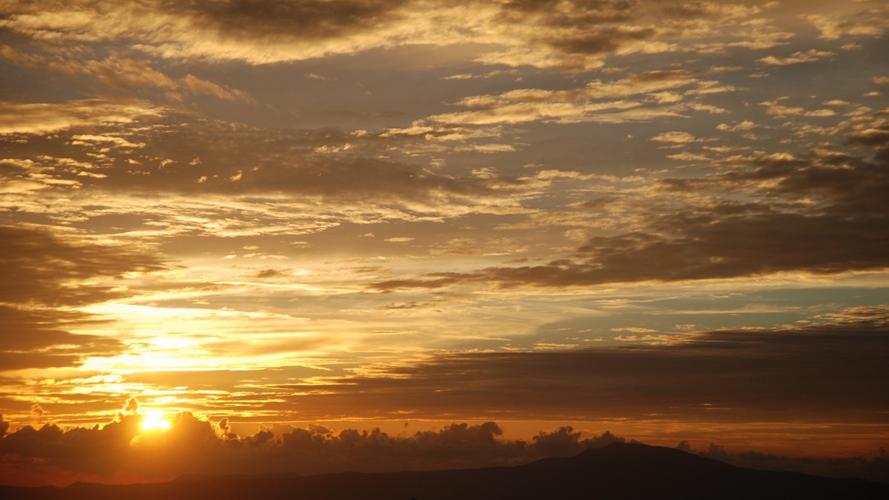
(617, 471)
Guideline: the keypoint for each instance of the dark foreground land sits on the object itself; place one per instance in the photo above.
(618, 471)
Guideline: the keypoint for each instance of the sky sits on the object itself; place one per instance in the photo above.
(664, 219)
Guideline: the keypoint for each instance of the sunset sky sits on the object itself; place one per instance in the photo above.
(665, 219)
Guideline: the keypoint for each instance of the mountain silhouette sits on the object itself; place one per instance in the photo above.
(615, 472)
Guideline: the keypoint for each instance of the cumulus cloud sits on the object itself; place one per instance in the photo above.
(118, 452)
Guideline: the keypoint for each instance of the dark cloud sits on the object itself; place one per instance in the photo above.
(28, 329)
(43, 269)
(244, 20)
(306, 19)
(41, 272)
(831, 372)
(581, 26)
(574, 12)
(840, 182)
(569, 34)
(703, 247)
(271, 273)
(604, 41)
(38, 339)
(132, 171)
(117, 451)
(821, 213)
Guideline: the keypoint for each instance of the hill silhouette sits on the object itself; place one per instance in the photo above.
(617, 471)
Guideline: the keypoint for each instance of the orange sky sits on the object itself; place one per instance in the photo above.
(663, 219)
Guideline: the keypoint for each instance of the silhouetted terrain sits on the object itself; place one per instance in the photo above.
(617, 471)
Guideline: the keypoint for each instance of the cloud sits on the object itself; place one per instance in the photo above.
(717, 376)
(637, 97)
(263, 32)
(197, 85)
(579, 35)
(798, 57)
(117, 452)
(46, 273)
(742, 126)
(152, 179)
(834, 221)
(51, 271)
(698, 247)
(572, 34)
(38, 338)
(272, 273)
(777, 108)
(39, 118)
(686, 156)
(675, 137)
(183, 154)
(120, 73)
(863, 23)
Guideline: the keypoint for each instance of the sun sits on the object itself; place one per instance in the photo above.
(154, 420)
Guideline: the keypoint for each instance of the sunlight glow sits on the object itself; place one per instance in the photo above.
(154, 420)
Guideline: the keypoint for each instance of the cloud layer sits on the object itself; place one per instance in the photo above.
(117, 452)
(765, 375)
(655, 217)
(818, 213)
